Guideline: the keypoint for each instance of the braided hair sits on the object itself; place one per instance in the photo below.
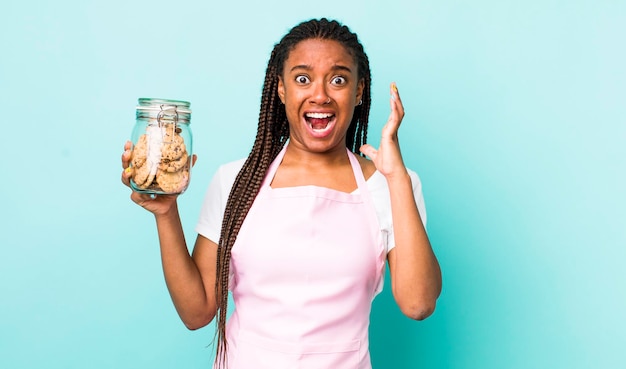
(272, 133)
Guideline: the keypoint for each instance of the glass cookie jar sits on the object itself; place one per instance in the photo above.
(162, 147)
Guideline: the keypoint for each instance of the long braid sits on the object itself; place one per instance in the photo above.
(272, 134)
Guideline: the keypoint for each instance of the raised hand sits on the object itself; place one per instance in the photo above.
(388, 159)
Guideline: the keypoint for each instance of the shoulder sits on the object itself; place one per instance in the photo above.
(367, 166)
(223, 180)
(226, 173)
(377, 184)
(381, 198)
(232, 167)
(376, 180)
(215, 199)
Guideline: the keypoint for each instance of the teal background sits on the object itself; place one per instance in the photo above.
(515, 122)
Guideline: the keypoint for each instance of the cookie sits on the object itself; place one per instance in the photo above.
(142, 177)
(174, 165)
(172, 182)
(140, 151)
(173, 146)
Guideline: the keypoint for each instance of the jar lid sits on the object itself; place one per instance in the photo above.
(158, 104)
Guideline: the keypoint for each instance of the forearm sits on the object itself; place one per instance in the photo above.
(416, 276)
(182, 275)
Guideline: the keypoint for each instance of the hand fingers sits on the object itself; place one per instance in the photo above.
(126, 174)
(397, 112)
(126, 154)
(128, 171)
(396, 100)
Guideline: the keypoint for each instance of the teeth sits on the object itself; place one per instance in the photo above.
(318, 115)
(319, 129)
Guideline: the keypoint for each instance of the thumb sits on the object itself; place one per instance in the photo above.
(369, 150)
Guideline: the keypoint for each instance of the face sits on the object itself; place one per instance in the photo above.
(320, 88)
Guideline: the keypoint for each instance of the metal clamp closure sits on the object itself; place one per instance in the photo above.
(168, 113)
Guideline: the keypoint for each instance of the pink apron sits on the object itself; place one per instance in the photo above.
(305, 268)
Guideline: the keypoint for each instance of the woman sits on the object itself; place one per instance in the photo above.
(302, 239)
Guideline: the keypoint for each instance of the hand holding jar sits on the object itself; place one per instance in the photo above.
(158, 159)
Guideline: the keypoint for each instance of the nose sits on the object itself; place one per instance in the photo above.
(319, 94)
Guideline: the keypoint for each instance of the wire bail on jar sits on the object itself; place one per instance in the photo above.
(165, 113)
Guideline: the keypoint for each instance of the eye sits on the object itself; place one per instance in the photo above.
(338, 81)
(302, 79)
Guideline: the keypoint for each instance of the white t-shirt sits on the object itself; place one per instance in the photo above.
(212, 212)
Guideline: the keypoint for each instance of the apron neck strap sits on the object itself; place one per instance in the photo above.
(354, 163)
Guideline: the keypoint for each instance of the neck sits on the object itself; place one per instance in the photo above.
(295, 154)
(302, 167)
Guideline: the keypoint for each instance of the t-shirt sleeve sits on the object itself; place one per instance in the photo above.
(418, 195)
(421, 208)
(212, 211)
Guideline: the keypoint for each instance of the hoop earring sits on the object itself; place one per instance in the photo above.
(360, 102)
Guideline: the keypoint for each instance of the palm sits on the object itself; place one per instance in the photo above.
(387, 158)
(156, 205)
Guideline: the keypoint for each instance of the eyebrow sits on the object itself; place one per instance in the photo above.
(308, 67)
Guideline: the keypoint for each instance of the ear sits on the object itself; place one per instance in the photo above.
(359, 90)
(281, 89)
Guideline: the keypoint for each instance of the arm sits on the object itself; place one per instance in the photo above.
(190, 279)
(415, 273)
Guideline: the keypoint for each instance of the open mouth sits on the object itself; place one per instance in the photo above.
(320, 123)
